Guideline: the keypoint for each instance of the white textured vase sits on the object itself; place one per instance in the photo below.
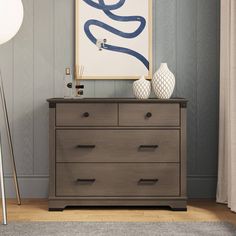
(163, 82)
(142, 88)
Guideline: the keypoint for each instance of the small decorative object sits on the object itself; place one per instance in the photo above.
(163, 82)
(79, 71)
(142, 88)
(101, 43)
(68, 84)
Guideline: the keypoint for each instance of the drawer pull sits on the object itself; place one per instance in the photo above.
(148, 146)
(86, 146)
(148, 181)
(86, 115)
(149, 115)
(85, 181)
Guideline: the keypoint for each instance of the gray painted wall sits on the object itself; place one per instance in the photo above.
(186, 37)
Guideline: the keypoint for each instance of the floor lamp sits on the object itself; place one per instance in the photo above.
(11, 18)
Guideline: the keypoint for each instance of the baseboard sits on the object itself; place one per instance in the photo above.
(202, 186)
(37, 186)
(30, 186)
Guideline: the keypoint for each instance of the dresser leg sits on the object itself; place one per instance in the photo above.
(54, 205)
(178, 205)
(179, 209)
(56, 209)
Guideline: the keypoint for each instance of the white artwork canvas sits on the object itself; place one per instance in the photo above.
(114, 38)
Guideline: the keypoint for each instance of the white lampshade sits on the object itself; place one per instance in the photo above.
(11, 18)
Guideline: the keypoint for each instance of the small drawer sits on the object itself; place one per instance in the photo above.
(117, 145)
(107, 179)
(149, 115)
(86, 114)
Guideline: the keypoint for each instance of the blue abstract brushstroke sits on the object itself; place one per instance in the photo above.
(101, 5)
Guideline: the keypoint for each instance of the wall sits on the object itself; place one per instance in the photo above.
(186, 36)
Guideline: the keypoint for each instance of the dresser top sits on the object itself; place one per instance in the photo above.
(54, 101)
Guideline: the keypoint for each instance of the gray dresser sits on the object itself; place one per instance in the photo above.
(117, 152)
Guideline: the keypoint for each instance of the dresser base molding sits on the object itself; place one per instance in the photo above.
(174, 204)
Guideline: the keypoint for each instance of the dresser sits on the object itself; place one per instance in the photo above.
(117, 152)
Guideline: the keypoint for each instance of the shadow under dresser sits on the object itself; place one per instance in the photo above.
(117, 152)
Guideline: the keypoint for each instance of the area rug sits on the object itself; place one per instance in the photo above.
(118, 229)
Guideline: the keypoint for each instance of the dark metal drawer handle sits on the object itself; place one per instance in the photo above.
(149, 115)
(86, 146)
(148, 181)
(86, 115)
(149, 146)
(86, 181)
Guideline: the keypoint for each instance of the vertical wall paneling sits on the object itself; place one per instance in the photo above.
(165, 33)
(207, 86)
(23, 92)
(185, 35)
(89, 88)
(6, 68)
(187, 71)
(124, 88)
(63, 41)
(43, 80)
(105, 88)
(154, 34)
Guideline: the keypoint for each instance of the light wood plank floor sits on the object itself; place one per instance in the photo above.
(36, 210)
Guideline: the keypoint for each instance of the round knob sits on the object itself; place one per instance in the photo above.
(86, 114)
(149, 115)
(69, 85)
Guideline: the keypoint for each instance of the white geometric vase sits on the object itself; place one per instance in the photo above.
(163, 82)
(142, 88)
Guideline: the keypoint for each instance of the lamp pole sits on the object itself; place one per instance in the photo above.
(4, 207)
(4, 106)
(6, 118)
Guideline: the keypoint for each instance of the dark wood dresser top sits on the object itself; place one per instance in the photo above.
(54, 101)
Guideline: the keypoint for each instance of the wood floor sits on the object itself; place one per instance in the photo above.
(36, 210)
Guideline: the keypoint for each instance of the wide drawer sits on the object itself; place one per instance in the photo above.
(106, 179)
(87, 114)
(149, 115)
(117, 145)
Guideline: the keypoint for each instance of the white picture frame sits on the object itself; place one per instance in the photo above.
(113, 38)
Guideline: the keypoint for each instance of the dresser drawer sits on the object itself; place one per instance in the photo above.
(87, 114)
(117, 145)
(149, 115)
(106, 179)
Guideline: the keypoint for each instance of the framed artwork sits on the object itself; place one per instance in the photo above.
(114, 38)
